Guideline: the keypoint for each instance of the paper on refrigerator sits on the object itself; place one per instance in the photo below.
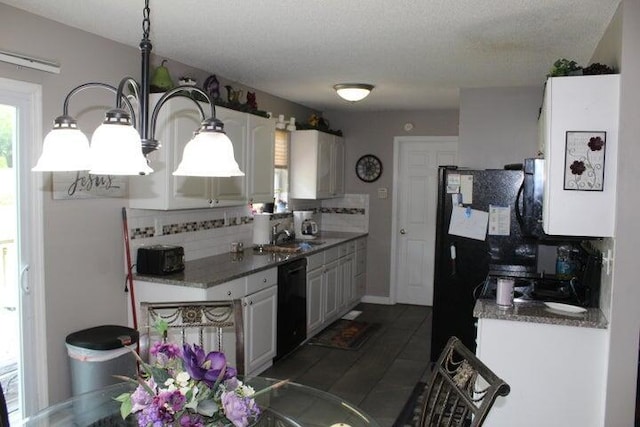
(467, 222)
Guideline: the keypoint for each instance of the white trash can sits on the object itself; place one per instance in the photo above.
(97, 354)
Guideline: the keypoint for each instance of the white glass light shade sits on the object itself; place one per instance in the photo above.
(64, 149)
(209, 154)
(353, 92)
(116, 149)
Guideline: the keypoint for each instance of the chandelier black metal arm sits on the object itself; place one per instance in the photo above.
(150, 144)
(66, 119)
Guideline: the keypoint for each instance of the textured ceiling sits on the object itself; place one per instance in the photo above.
(418, 53)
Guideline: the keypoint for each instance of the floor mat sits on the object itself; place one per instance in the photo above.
(345, 334)
(409, 414)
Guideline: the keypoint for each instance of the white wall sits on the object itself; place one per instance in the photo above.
(498, 126)
(625, 288)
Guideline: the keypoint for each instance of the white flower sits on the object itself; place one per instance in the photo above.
(183, 378)
(246, 390)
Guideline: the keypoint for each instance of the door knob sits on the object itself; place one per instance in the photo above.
(402, 231)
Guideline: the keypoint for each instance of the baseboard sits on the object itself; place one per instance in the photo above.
(377, 300)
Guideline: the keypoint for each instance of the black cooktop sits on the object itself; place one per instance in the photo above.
(537, 289)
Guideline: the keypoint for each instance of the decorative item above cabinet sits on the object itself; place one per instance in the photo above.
(317, 165)
(579, 130)
(253, 144)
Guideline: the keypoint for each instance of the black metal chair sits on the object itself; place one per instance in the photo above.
(4, 413)
(462, 389)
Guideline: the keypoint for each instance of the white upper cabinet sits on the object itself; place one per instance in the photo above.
(261, 152)
(317, 165)
(252, 138)
(580, 132)
(232, 190)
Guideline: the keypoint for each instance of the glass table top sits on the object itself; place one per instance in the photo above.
(289, 405)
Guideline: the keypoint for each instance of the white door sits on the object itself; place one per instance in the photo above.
(23, 364)
(415, 191)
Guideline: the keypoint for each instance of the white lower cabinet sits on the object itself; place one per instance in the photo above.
(315, 314)
(347, 283)
(331, 285)
(260, 320)
(360, 269)
(562, 366)
(258, 296)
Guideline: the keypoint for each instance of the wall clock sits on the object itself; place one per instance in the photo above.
(368, 168)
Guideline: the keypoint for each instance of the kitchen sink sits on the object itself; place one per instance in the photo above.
(291, 246)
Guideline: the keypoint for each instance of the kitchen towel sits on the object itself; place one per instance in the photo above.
(261, 229)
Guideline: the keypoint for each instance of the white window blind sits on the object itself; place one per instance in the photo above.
(282, 150)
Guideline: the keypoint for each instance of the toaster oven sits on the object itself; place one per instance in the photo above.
(160, 259)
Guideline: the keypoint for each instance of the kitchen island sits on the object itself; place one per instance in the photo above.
(335, 282)
(552, 360)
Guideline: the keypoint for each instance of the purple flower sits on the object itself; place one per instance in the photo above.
(595, 143)
(191, 421)
(205, 368)
(141, 397)
(174, 400)
(164, 352)
(239, 410)
(577, 168)
(155, 415)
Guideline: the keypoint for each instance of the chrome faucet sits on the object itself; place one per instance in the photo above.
(275, 234)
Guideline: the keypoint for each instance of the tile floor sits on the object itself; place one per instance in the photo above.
(380, 376)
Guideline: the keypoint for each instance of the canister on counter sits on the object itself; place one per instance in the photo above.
(504, 292)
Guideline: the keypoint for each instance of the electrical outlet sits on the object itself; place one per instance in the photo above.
(158, 227)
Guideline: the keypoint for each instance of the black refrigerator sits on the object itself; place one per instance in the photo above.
(463, 263)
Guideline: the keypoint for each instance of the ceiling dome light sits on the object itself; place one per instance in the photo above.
(353, 92)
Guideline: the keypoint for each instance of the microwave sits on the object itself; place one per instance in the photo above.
(529, 204)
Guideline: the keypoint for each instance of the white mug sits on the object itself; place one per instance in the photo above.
(504, 292)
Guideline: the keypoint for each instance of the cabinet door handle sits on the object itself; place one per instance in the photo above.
(228, 293)
(264, 280)
(402, 231)
(251, 302)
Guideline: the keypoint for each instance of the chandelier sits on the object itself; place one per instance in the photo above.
(119, 145)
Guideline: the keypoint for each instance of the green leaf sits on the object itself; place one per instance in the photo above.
(207, 408)
(126, 405)
(159, 375)
(162, 327)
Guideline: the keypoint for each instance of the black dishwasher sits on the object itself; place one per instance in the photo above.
(292, 306)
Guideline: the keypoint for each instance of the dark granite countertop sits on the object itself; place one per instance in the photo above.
(207, 272)
(538, 312)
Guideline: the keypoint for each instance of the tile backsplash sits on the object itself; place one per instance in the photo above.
(208, 232)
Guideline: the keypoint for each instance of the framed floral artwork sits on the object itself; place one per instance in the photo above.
(584, 160)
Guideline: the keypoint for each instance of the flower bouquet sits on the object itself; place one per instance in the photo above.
(186, 388)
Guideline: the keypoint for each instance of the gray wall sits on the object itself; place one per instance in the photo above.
(498, 126)
(83, 247)
(373, 133)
